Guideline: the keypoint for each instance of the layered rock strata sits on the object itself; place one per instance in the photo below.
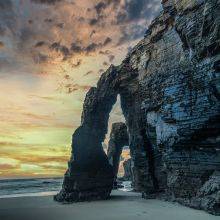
(169, 86)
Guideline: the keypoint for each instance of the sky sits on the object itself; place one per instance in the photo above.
(51, 53)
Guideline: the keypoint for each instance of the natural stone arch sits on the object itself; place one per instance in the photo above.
(176, 110)
(89, 174)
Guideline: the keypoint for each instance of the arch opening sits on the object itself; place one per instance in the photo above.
(90, 175)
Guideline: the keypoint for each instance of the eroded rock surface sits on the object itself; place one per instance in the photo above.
(118, 139)
(169, 86)
(89, 175)
(208, 196)
(127, 165)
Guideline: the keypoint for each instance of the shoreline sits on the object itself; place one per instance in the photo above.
(121, 206)
(31, 194)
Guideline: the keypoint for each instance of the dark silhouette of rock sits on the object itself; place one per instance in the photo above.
(207, 197)
(127, 165)
(89, 175)
(169, 88)
(118, 139)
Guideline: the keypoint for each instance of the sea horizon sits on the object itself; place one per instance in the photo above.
(25, 186)
(28, 187)
(28, 178)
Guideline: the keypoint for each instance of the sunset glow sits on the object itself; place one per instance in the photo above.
(50, 55)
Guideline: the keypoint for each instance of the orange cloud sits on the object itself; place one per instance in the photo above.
(6, 167)
(1, 44)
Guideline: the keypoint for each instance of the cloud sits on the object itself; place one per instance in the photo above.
(92, 47)
(105, 63)
(60, 48)
(40, 44)
(68, 85)
(131, 33)
(1, 44)
(93, 21)
(49, 2)
(5, 5)
(40, 58)
(49, 20)
(111, 57)
(101, 71)
(70, 88)
(60, 25)
(100, 7)
(107, 41)
(7, 17)
(7, 167)
(47, 98)
(38, 117)
(88, 73)
(106, 52)
(62, 29)
(92, 33)
(41, 159)
(77, 64)
(134, 10)
(76, 48)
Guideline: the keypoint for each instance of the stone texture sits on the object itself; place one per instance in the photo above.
(89, 175)
(128, 174)
(169, 86)
(208, 196)
(118, 139)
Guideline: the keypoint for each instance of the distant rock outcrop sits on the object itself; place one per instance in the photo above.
(169, 86)
(118, 139)
(127, 164)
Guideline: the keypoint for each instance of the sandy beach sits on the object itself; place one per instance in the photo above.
(122, 206)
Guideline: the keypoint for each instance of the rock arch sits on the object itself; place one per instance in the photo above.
(89, 174)
(169, 90)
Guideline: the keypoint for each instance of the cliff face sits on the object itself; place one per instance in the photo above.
(178, 65)
(170, 90)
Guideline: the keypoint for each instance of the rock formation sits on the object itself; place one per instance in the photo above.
(127, 165)
(89, 175)
(170, 90)
(118, 139)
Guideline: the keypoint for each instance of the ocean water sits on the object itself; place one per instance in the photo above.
(37, 187)
(29, 187)
(126, 186)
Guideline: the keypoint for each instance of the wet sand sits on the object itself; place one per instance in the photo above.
(122, 206)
